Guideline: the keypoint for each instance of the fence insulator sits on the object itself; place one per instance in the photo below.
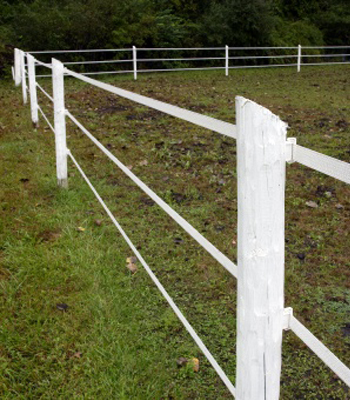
(33, 90)
(60, 122)
(261, 147)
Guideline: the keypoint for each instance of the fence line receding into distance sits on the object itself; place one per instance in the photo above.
(137, 60)
(261, 164)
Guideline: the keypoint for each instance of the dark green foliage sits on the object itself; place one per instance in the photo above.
(76, 24)
(237, 23)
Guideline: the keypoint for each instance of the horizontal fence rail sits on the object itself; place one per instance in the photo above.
(290, 152)
(320, 350)
(204, 121)
(320, 162)
(226, 58)
(212, 250)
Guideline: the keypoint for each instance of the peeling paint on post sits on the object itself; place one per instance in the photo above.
(33, 90)
(60, 122)
(261, 146)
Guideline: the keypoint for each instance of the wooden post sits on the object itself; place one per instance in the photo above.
(32, 90)
(17, 60)
(60, 122)
(23, 76)
(261, 147)
(134, 57)
(226, 60)
(299, 57)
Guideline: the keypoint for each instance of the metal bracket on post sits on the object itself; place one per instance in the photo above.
(290, 149)
(60, 122)
(261, 168)
(287, 315)
(134, 57)
(33, 90)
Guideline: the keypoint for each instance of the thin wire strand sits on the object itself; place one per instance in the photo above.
(44, 91)
(209, 247)
(46, 119)
(160, 287)
(96, 62)
(42, 64)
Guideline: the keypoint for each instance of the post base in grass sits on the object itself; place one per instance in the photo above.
(62, 183)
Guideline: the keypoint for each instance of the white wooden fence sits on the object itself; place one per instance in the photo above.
(230, 58)
(262, 153)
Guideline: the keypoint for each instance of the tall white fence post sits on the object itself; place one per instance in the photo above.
(134, 57)
(60, 122)
(226, 60)
(32, 89)
(17, 67)
(261, 147)
(23, 76)
(299, 57)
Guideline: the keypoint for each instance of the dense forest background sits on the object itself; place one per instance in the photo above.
(76, 24)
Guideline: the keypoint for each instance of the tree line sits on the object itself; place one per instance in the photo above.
(83, 24)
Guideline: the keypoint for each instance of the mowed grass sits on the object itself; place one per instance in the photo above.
(118, 338)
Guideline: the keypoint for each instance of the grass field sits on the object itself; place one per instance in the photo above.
(118, 338)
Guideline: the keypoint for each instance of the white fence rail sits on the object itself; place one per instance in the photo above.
(261, 163)
(224, 58)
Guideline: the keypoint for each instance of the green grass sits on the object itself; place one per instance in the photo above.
(118, 338)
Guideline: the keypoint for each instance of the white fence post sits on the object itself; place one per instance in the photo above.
(23, 76)
(32, 89)
(261, 147)
(17, 60)
(299, 57)
(226, 60)
(134, 57)
(60, 122)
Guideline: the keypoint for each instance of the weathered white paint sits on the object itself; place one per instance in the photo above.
(60, 122)
(299, 57)
(261, 147)
(32, 90)
(23, 76)
(17, 67)
(134, 58)
(226, 60)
